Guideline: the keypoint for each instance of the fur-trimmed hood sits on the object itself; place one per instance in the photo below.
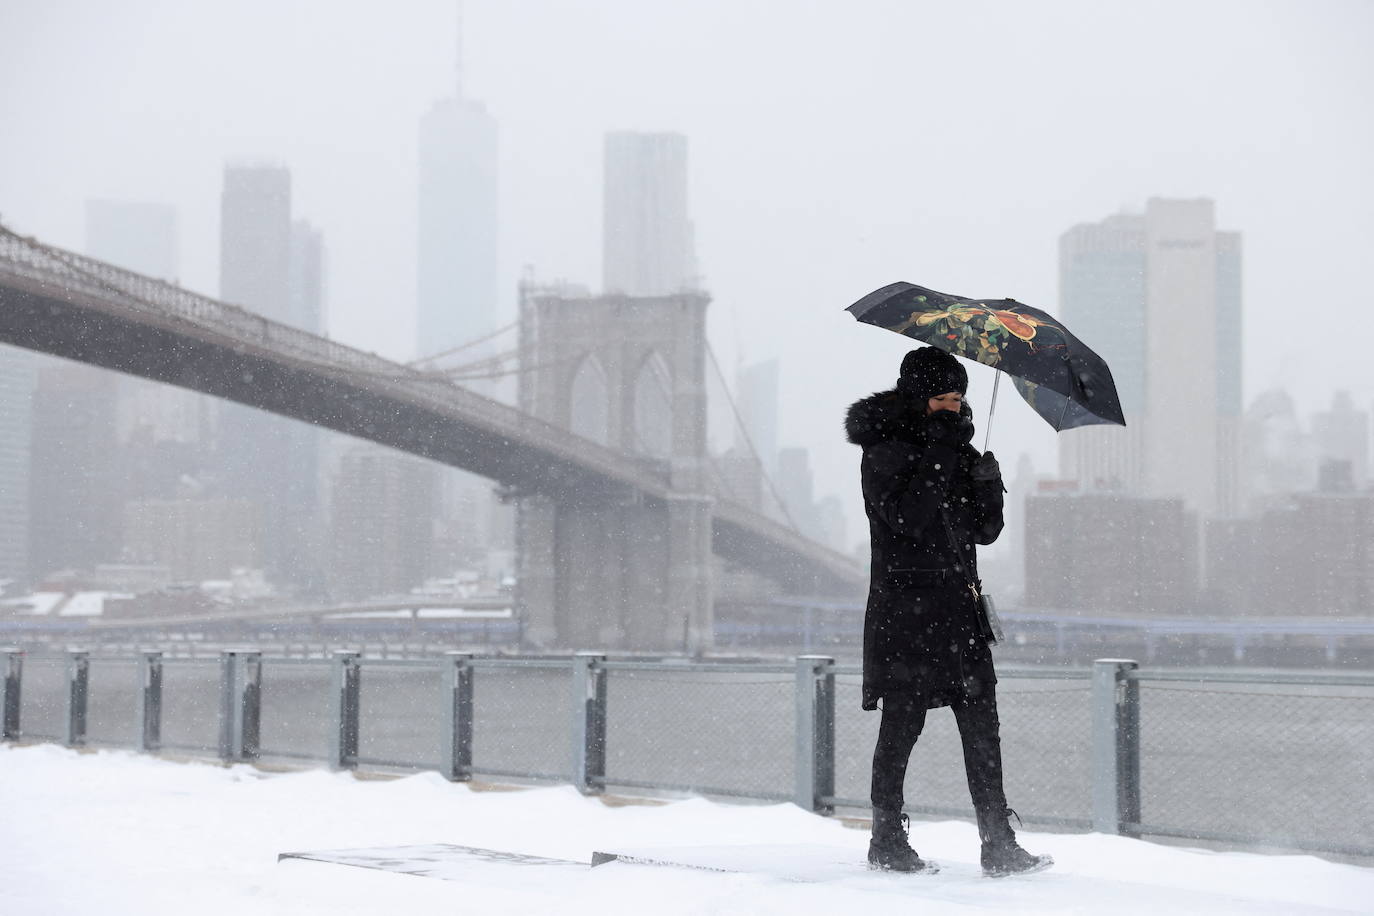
(883, 416)
(887, 415)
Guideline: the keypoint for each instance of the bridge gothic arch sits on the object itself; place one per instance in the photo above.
(627, 373)
(651, 410)
(589, 412)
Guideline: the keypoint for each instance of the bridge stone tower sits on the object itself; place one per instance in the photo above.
(618, 572)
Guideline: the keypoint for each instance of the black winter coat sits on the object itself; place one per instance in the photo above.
(921, 632)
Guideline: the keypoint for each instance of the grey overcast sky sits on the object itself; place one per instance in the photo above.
(835, 147)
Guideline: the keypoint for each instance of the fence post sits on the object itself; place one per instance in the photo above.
(150, 701)
(456, 753)
(343, 737)
(815, 753)
(1116, 746)
(240, 698)
(9, 693)
(589, 722)
(249, 731)
(228, 679)
(78, 689)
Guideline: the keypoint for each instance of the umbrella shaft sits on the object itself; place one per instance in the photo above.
(987, 437)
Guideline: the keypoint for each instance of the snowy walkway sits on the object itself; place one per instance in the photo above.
(114, 833)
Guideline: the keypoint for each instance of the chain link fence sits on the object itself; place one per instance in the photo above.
(400, 720)
(521, 719)
(43, 703)
(296, 708)
(1281, 760)
(719, 733)
(1045, 727)
(190, 704)
(1290, 763)
(112, 710)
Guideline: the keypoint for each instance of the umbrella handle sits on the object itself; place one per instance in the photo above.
(987, 437)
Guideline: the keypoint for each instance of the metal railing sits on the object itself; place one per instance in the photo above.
(1279, 760)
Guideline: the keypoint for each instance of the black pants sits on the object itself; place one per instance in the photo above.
(903, 719)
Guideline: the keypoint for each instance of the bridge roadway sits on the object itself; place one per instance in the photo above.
(68, 305)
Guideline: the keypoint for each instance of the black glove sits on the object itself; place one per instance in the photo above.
(986, 469)
(948, 428)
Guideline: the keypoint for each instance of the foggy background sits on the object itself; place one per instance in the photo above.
(833, 148)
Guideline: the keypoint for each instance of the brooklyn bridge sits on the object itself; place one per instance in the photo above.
(617, 517)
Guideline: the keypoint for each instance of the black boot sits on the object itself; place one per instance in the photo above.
(1002, 855)
(889, 849)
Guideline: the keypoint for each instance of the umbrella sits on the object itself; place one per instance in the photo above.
(1059, 376)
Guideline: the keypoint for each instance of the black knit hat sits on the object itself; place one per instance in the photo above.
(930, 371)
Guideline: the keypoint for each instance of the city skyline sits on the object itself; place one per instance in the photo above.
(1122, 225)
(1134, 228)
(1342, 419)
(806, 189)
(493, 400)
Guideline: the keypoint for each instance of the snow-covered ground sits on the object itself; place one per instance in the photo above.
(114, 832)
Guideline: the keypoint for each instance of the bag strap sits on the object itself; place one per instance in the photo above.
(987, 617)
(959, 555)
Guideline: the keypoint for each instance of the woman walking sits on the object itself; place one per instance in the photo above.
(930, 498)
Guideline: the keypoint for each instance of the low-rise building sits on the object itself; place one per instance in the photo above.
(1109, 554)
(1311, 555)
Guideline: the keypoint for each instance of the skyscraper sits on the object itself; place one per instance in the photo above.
(648, 249)
(1279, 457)
(797, 488)
(76, 500)
(757, 385)
(1158, 296)
(305, 278)
(142, 237)
(271, 460)
(1342, 434)
(457, 269)
(458, 293)
(255, 239)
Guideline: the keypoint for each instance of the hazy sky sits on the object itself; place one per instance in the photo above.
(834, 147)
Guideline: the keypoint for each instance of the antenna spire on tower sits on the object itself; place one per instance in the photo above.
(458, 53)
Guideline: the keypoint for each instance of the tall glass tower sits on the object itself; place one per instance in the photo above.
(456, 279)
(648, 248)
(269, 459)
(457, 287)
(1158, 295)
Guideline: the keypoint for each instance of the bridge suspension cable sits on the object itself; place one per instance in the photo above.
(474, 369)
(464, 346)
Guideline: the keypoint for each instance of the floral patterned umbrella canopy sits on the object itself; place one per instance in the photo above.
(1063, 380)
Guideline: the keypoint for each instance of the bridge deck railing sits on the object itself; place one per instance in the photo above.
(67, 273)
(1280, 761)
(74, 273)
